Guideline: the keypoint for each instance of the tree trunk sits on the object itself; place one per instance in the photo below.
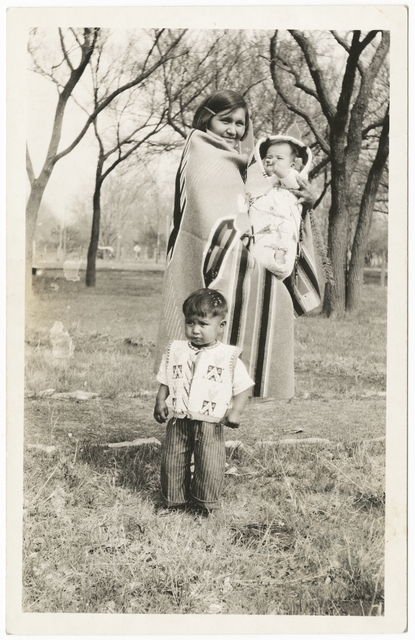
(355, 277)
(335, 294)
(32, 209)
(357, 260)
(345, 124)
(383, 270)
(38, 185)
(90, 277)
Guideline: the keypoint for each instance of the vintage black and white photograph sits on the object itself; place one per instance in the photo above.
(207, 268)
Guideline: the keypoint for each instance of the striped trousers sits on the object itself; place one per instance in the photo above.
(206, 441)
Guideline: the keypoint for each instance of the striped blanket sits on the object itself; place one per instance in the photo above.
(306, 283)
(205, 250)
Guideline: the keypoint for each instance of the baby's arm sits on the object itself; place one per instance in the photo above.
(233, 417)
(160, 410)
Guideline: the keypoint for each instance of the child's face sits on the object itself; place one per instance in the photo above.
(229, 125)
(203, 331)
(278, 160)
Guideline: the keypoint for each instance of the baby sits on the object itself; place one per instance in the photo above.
(280, 161)
(275, 214)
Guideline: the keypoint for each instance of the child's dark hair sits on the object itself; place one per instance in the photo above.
(225, 100)
(205, 301)
(263, 149)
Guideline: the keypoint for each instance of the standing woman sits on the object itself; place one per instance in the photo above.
(205, 250)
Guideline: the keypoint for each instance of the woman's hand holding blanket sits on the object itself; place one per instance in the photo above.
(306, 194)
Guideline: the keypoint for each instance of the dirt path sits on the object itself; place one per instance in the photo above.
(49, 421)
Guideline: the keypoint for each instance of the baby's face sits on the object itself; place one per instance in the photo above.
(278, 160)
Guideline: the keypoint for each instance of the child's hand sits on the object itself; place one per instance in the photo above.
(233, 416)
(161, 411)
(232, 419)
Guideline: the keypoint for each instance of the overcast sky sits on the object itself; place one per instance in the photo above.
(74, 173)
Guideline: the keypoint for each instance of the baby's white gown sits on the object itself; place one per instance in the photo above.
(275, 220)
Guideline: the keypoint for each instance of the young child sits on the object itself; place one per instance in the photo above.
(274, 211)
(203, 386)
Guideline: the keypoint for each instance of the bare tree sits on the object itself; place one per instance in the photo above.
(85, 41)
(355, 273)
(131, 203)
(340, 118)
(77, 47)
(131, 120)
(229, 59)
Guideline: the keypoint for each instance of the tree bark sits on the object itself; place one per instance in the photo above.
(355, 275)
(335, 294)
(343, 147)
(90, 276)
(38, 185)
(32, 209)
(53, 156)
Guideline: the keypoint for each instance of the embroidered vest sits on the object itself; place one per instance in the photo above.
(212, 381)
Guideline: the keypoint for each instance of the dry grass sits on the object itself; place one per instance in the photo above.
(304, 536)
(301, 532)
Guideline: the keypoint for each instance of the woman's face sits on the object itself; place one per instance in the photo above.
(229, 125)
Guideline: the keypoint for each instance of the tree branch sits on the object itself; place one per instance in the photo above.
(346, 47)
(65, 53)
(315, 171)
(140, 78)
(291, 106)
(99, 139)
(86, 53)
(123, 157)
(75, 35)
(251, 86)
(341, 40)
(368, 39)
(29, 167)
(127, 140)
(172, 97)
(359, 108)
(374, 125)
(42, 72)
(154, 45)
(170, 100)
(316, 73)
(298, 83)
(349, 76)
(322, 194)
(369, 195)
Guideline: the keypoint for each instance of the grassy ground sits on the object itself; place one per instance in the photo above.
(300, 530)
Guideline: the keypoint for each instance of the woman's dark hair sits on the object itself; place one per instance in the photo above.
(225, 100)
(205, 301)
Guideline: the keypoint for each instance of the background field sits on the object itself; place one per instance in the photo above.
(301, 526)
